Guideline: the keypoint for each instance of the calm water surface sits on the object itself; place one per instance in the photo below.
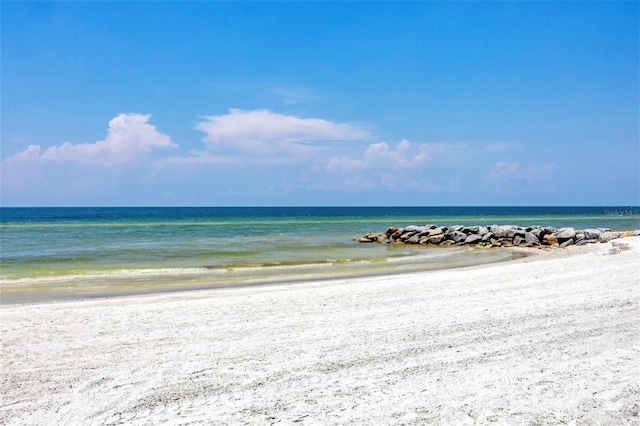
(56, 253)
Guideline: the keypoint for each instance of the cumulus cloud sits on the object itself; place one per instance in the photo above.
(380, 155)
(402, 167)
(129, 136)
(265, 133)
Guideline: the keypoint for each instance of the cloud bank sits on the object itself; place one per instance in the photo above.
(265, 133)
(263, 153)
(129, 137)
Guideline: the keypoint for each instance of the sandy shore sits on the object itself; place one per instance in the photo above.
(549, 339)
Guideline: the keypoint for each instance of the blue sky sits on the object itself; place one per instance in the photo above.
(320, 103)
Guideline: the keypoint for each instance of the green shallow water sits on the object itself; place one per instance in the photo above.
(51, 253)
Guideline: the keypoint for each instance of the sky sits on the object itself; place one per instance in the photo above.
(320, 103)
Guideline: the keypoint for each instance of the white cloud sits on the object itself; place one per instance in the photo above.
(381, 156)
(129, 137)
(401, 167)
(264, 133)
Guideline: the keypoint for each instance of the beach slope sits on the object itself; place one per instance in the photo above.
(547, 339)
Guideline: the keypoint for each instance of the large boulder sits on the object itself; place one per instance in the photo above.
(436, 231)
(517, 240)
(566, 234)
(471, 229)
(504, 231)
(567, 243)
(531, 239)
(407, 234)
(414, 239)
(473, 239)
(480, 230)
(591, 234)
(436, 239)
(413, 228)
(457, 236)
(608, 236)
(516, 230)
(391, 231)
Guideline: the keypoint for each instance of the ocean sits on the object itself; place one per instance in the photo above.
(69, 253)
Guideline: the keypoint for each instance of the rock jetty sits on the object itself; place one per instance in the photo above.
(495, 236)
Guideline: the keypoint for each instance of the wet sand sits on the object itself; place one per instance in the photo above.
(553, 338)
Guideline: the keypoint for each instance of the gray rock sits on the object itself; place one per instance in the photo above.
(487, 236)
(500, 231)
(531, 239)
(413, 228)
(591, 234)
(636, 233)
(473, 239)
(436, 231)
(516, 230)
(517, 240)
(566, 234)
(608, 236)
(538, 232)
(470, 229)
(406, 235)
(415, 239)
(567, 243)
(581, 242)
(436, 239)
(457, 236)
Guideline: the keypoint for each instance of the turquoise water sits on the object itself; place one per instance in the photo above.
(49, 253)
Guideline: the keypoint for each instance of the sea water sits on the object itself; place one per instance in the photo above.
(57, 253)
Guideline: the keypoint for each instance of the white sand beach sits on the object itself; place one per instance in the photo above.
(553, 338)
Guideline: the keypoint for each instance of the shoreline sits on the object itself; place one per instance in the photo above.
(550, 338)
(40, 295)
